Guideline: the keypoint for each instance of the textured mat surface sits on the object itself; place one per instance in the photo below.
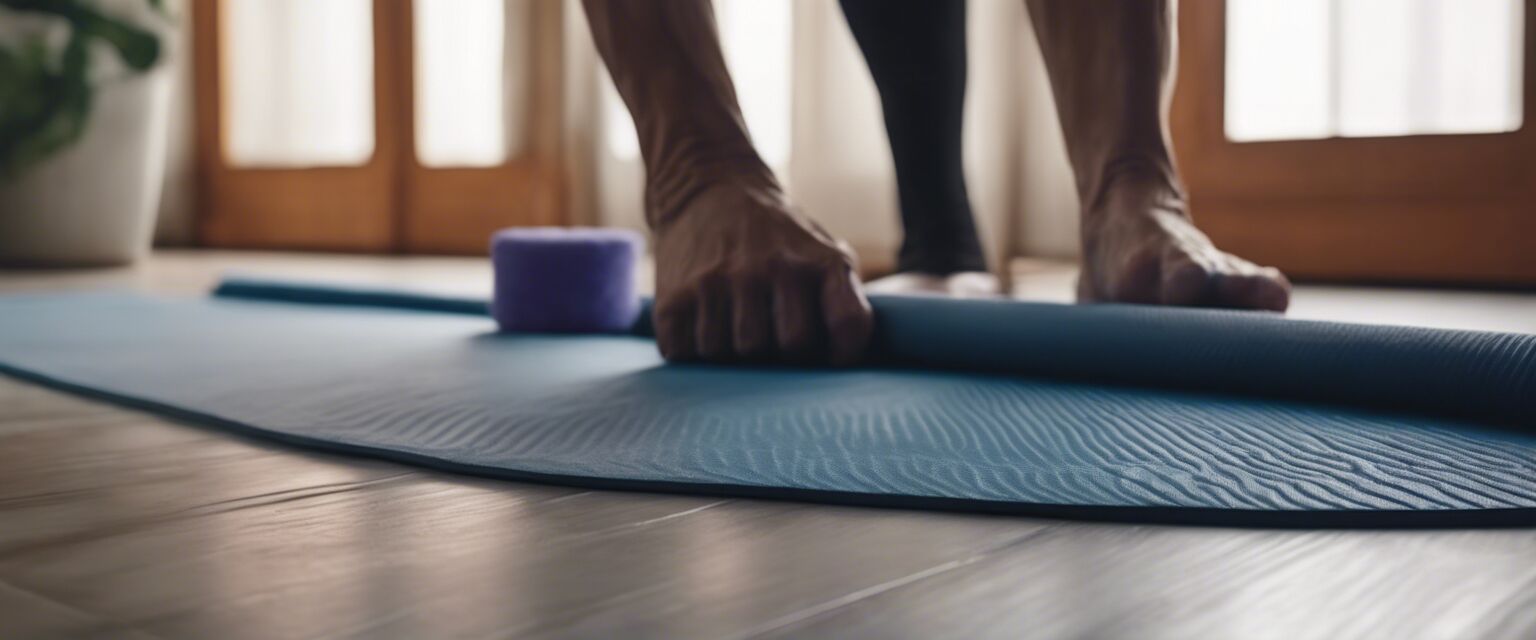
(985, 406)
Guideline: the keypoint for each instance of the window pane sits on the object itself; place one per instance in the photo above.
(464, 51)
(1480, 72)
(1380, 68)
(1376, 67)
(298, 82)
(1277, 69)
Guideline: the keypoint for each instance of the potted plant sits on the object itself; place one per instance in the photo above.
(83, 109)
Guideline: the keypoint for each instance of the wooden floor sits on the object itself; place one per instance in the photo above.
(118, 524)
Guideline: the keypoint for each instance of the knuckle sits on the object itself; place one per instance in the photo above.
(743, 270)
(674, 300)
(708, 283)
(806, 270)
(836, 263)
(844, 254)
(849, 324)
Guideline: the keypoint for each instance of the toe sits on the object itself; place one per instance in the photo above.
(1262, 288)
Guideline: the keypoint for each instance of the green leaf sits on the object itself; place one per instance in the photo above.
(139, 48)
(46, 100)
(50, 106)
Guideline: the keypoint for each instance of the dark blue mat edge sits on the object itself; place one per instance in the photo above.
(1131, 515)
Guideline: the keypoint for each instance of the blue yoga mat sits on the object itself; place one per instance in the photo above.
(1098, 412)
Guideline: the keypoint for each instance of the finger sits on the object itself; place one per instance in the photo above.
(849, 319)
(674, 329)
(751, 314)
(798, 325)
(713, 326)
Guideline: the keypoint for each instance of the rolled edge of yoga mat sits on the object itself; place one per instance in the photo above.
(565, 280)
(346, 294)
(1481, 375)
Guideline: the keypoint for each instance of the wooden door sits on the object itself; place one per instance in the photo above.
(390, 200)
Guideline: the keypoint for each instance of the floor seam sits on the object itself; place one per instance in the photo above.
(77, 611)
(855, 597)
(285, 495)
(645, 523)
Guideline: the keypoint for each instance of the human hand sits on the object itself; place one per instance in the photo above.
(741, 276)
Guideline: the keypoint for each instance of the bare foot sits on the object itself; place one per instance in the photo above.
(965, 284)
(1140, 246)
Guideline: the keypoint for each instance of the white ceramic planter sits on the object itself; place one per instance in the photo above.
(94, 203)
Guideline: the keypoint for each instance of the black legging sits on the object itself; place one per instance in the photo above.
(916, 52)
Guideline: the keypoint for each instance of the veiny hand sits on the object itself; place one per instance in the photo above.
(740, 276)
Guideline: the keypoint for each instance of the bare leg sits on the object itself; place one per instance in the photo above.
(1111, 69)
(739, 273)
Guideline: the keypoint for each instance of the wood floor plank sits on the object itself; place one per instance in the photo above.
(28, 615)
(1166, 582)
(440, 558)
(63, 478)
(1513, 617)
(170, 528)
(25, 406)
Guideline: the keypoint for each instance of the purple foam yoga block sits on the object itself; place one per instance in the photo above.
(551, 279)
